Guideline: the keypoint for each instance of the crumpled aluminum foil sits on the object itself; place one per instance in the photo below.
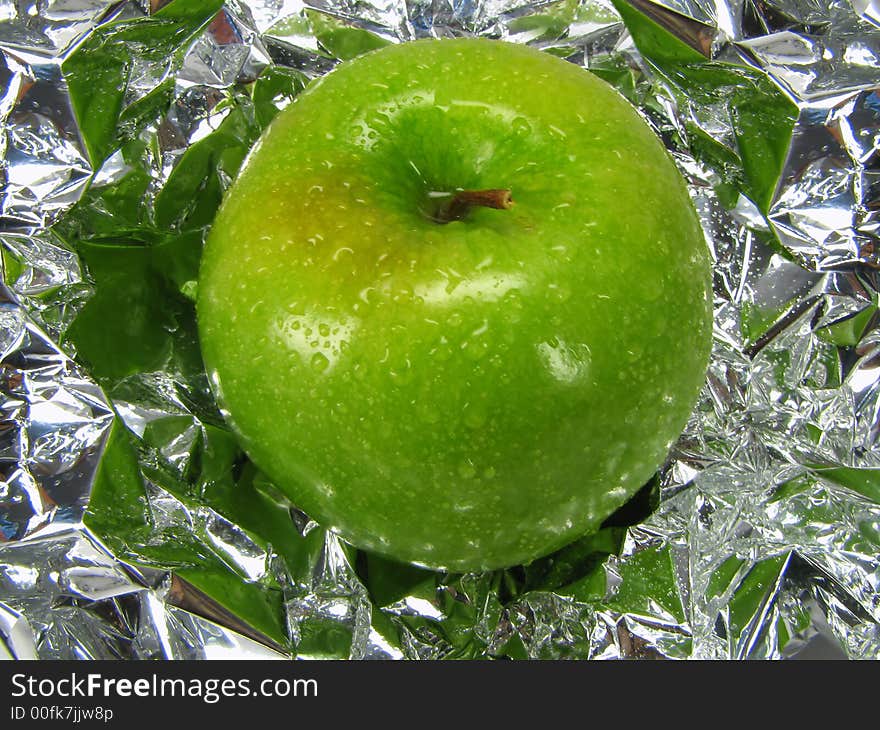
(122, 124)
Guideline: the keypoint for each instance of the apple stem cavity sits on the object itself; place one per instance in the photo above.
(459, 205)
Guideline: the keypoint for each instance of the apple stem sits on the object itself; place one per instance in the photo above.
(460, 203)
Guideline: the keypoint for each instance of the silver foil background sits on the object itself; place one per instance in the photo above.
(761, 547)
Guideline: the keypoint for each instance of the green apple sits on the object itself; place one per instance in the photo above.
(457, 303)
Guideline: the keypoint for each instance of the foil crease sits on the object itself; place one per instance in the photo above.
(765, 537)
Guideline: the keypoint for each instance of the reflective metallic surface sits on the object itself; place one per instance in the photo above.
(765, 539)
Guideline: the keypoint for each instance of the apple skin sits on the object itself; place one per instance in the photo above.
(468, 395)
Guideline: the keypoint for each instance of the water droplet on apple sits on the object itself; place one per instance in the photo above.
(512, 300)
(320, 362)
(402, 372)
(560, 293)
(443, 351)
(634, 352)
(475, 349)
(324, 329)
(466, 470)
(521, 127)
(566, 363)
(475, 416)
